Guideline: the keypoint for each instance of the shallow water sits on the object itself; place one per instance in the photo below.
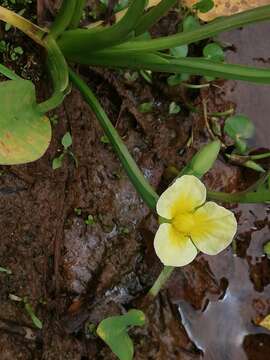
(224, 328)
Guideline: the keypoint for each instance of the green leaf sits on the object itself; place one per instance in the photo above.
(266, 248)
(146, 107)
(190, 23)
(34, 318)
(92, 39)
(174, 108)
(204, 5)
(179, 51)
(177, 79)
(25, 133)
(214, 52)
(66, 140)
(104, 139)
(7, 271)
(58, 161)
(153, 15)
(239, 128)
(90, 220)
(113, 331)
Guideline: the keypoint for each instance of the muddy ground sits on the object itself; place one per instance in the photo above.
(74, 274)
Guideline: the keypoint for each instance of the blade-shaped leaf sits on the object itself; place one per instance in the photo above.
(113, 331)
(25, 132)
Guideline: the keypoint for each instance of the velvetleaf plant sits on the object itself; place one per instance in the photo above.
(25, 131)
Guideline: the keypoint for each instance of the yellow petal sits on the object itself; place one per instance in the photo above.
(173, 248)
(215, 228)
(184, 195)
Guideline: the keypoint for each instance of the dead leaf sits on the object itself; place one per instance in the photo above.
(265, 322)
(227, 7)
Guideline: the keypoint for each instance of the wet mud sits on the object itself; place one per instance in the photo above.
(75, 274)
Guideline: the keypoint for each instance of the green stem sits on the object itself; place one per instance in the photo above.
(153, 15)
(63, 18)
(259, 156)
(220, 25)
(58, 70)
(195, 86)
(239, 197)
(161, 63)
(161, 280)
(135, 175)
(33, 31)
(75, 21)
(222, 113)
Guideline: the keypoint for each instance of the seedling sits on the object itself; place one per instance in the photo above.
(6, 271)
(78, 211)
(114, 332)
(239, 128)
(146, 107)
(90, 220)
(28, 308)
(174, 108)
(66, 142)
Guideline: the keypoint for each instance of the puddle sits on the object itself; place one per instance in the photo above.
(225, 328)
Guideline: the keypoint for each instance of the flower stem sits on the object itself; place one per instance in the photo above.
(161, 280)
(35, 32)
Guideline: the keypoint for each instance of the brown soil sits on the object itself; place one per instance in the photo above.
(75, 275)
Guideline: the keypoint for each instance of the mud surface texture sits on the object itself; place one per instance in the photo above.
(75, 274)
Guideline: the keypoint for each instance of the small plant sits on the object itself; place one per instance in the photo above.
(66, 142)
(6, 271)
(190, 220)
(114, 332)
(28, 308)
(90, 220)
(239, 128)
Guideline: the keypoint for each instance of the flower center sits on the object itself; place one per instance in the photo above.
(184, 223)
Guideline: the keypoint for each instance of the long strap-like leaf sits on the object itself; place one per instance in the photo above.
(153, 15)
(161, 63)
(81, 40)
(63, 17)
(215, 27)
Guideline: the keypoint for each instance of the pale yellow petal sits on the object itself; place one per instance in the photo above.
(215, 228)
(173, 248)
(184, 195)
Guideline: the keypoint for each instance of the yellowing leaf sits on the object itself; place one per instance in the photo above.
(25, 133)
(228, 7)
(265, 322)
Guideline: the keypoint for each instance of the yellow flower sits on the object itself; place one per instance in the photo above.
(191, 224)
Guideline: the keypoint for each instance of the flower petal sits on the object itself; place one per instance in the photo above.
(215, 228)
(173, 248)
(184, 195)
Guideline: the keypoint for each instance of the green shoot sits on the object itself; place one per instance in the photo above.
(239, 128)
(67, 143)
(114, 332)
